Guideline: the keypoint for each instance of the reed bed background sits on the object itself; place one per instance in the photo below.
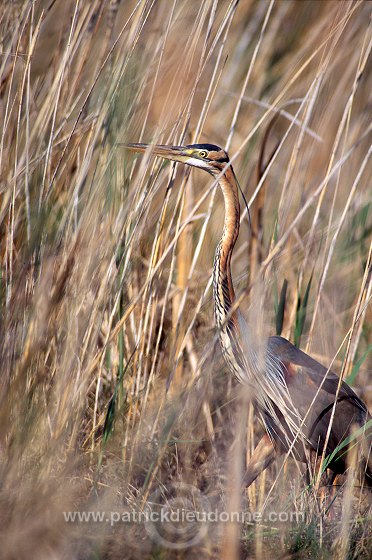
(113, 391)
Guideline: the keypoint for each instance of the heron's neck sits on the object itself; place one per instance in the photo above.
(223, 288)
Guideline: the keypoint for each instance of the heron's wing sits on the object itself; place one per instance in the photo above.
(317, 375)
(313, 389)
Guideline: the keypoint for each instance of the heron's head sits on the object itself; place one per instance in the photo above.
(205, 156)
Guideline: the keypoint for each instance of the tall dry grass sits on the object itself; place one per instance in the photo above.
(113, 392)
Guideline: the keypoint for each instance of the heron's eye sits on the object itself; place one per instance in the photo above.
(203, 154)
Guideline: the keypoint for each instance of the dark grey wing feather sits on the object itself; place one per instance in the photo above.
(317, 373)
(312, 389)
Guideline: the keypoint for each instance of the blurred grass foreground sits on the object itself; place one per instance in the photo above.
(115, 401)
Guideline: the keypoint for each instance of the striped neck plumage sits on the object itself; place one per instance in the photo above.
(245, 361)
(223, 289)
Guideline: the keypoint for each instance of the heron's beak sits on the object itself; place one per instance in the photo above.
(173, 153)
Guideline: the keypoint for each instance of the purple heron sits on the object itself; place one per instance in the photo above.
(294, 395)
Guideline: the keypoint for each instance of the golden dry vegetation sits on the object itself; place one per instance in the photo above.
(114, 396)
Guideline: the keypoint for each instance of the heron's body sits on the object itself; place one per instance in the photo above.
(294, 394)
(304, 376)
